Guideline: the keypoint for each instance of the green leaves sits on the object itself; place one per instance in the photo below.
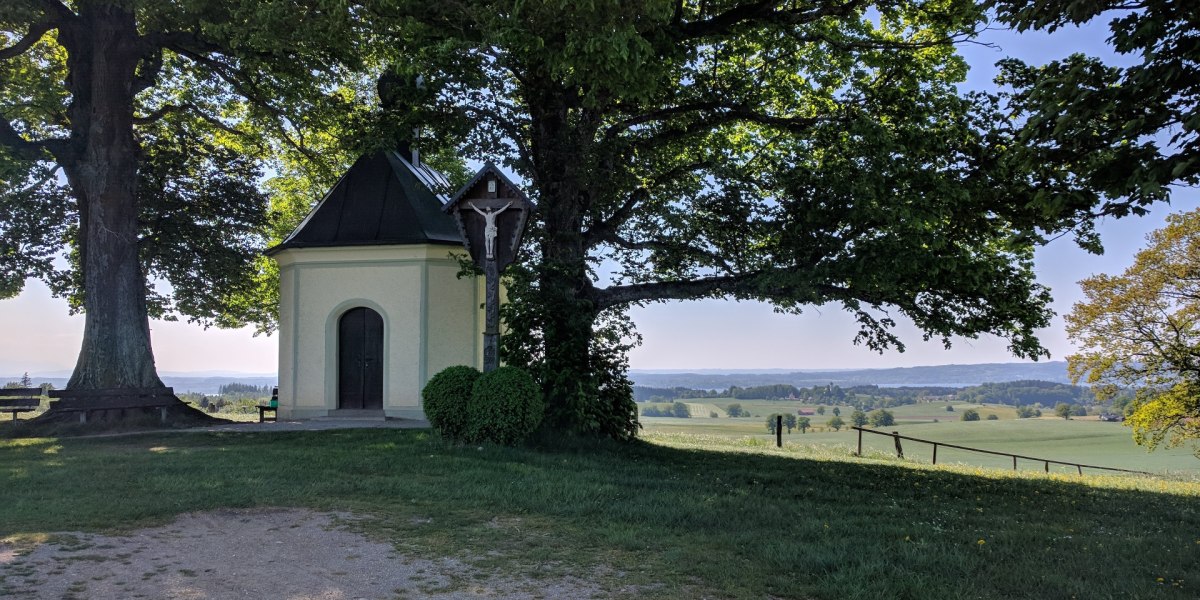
(220, 95)
(798, 154)
(1101, 139)
(34, 217)
(1141, 330)
(204, 224)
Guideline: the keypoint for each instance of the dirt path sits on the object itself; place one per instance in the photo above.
(235, 554)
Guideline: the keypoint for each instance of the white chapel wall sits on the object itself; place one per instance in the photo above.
(431, 320)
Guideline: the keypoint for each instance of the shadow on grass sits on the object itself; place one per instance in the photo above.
(674, 521)
(67, 424)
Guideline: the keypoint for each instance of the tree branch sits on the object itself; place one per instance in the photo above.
(50, 175)
(167, 109)
(149, 68)
(29, 149)
(59, 11)
(725, 116)
(818, 37)
(608, 227)
(763, 12)
(512, 129)
(651, 245)
(705, 287)
(35, 33)
(758, 284)
(659, 115)
(182, 42)
(229, 76)
(598, 231)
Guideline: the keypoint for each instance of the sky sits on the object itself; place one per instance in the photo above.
(43, 339)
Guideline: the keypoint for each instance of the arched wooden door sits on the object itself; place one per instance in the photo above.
(360, 359)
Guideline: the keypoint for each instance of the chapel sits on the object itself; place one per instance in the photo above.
(370, 302)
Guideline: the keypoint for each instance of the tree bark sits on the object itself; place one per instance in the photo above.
(559, 147)
(103, 49)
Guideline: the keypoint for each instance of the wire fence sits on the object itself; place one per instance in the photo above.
(895, 435)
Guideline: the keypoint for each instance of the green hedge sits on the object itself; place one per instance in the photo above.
(446, 397)
(506, 406)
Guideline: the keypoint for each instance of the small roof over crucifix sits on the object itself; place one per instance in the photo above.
(491, 212)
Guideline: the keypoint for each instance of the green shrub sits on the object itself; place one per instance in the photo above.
(505, 407)
(993, 418)
(970, 415)
(881, 418)
(447, 396)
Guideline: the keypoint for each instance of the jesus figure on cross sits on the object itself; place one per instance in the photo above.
(489, 229)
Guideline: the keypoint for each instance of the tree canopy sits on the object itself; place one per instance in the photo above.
(793, 153)
(132, 140)
(1141, 330)
(1119, 137)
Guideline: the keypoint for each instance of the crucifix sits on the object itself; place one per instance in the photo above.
(491, 230)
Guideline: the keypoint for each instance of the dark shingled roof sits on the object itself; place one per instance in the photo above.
(382, 200)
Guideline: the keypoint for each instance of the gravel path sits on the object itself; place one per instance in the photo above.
(252, 554)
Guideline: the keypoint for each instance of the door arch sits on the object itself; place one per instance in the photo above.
(360, 359)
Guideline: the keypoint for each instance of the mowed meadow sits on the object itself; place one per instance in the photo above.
(670, 516)
(1085, 440)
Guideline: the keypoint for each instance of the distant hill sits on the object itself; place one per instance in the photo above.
(938, 375)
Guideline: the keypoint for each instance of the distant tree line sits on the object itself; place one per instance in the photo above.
(765, 392)
(1024, 393)
(655, 394)
(867, 397)
(243, 389)
(1029, 396)
(677, 409)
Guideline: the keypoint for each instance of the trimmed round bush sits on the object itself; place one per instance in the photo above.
(446, 397)
(505, 407)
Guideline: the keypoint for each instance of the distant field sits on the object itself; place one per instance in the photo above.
(760, 409)
(1079, 440)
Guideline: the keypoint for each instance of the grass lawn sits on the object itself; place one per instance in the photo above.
(680, 515)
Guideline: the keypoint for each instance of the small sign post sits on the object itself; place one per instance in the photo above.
(491, 214)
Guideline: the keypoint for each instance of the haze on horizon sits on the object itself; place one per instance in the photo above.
(712, 334)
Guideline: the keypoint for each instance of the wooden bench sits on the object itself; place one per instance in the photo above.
(263, 409)
(271, 407)
(17, 400)
(86, 401)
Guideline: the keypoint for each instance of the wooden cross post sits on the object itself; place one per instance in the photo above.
(491, 324)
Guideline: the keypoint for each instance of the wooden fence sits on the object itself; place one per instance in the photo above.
(1047, 462)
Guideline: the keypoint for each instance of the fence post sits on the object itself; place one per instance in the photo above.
(859, 441)
(1080, 467)
(935, 454)
(1047, 466)
(899, 450)
(1014, 463)
(778, 431)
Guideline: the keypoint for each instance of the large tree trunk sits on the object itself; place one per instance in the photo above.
(563, 281)
(567, 332)
(103, 53)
